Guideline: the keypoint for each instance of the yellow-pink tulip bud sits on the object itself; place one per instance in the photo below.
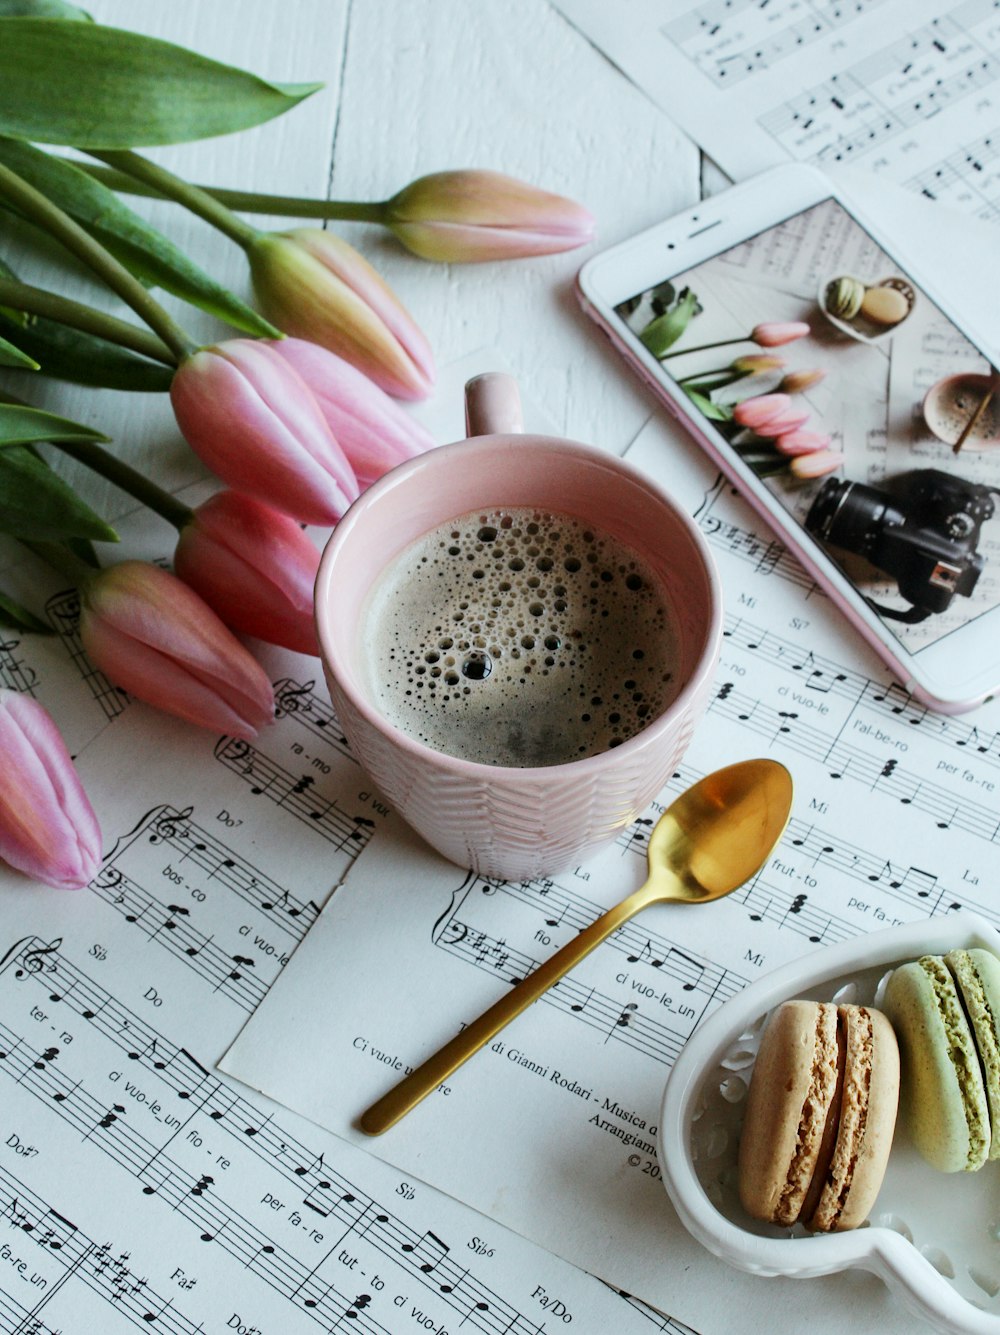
(315, 286)
(460, 217)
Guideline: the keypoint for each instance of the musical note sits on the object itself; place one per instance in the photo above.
(430, 1246)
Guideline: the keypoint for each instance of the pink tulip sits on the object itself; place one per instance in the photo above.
(801, 442)
(254, 567)
(252, 420)
(755, 413)
(797, 381)
(461, 217)
(816, 465)
(775, 332)
(374, 432)
(783, 424)
(313, 285)
(47, 826)
(154, 637)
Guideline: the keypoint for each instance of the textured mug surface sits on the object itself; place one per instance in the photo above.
(526, 822)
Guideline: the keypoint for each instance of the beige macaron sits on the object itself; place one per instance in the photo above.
(820, 1116)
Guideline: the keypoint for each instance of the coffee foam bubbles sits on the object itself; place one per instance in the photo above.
(519, 638)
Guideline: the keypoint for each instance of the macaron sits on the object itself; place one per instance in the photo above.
(820, 1116)
(844, 297)
(945, 1010)
(884, 305)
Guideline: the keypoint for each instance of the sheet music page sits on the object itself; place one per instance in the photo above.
(139, 1187)
(552, 1127)
(909, 91)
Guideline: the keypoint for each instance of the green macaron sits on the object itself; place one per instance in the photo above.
(844, 297)
(945, 1010)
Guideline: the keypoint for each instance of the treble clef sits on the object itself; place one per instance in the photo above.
(166, 826)
(33, 960)
(291, 697)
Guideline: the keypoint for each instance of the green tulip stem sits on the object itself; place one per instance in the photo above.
(41, 211)
(60, 558)
(50, 306)
(279, 206)
(704, 347)
(198, 201)
(136, 484)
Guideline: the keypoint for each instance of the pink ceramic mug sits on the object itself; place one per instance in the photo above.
(525, 822)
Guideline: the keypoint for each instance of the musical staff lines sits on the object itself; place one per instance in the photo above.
(767, 556)
(208, 1105)
(169, 827)
(658, 1017)
(63, 613)
(967, 179)
(823, 676)
(890, 91)
(298, 701)
(58, 1245)
(234, 976)
(844, 761)
(268, 779)
(729, 45)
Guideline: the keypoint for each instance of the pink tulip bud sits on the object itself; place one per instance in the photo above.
(154, 637)
(47, 826)
(816, 465)
(374, 432)
(461, 217)
(783, 424)
(773, 333)
(312, 284)
(252, 420)
(756, 362)
(801, 442)
(755, 413)
(254, 567)
(797, 381)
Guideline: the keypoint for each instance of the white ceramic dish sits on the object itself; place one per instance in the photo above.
(934, 1238)
(867, 331)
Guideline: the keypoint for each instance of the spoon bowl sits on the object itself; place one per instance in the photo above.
(708, 842)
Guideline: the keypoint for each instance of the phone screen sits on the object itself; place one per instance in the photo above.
(834, 378)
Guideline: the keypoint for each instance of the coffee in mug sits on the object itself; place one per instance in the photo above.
(518, 637)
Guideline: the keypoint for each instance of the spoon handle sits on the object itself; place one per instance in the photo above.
(388, 1110)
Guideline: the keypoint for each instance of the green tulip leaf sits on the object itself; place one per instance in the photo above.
(15, 617)
(11, 356)
(20, 425)
(35, 503)
(715, 412)
(663, 332)
(69, 354)
(150, 255)
(110, 88)
(42, 9)
(84, 359)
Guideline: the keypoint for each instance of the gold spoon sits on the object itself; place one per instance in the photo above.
(711, 840)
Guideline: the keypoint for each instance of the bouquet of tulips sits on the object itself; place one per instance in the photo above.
(294, 414)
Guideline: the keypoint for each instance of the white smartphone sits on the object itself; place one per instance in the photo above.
(831, 383)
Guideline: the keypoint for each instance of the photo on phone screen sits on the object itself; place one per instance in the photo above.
(832, 376)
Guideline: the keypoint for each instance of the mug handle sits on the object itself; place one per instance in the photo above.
(493, 405)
